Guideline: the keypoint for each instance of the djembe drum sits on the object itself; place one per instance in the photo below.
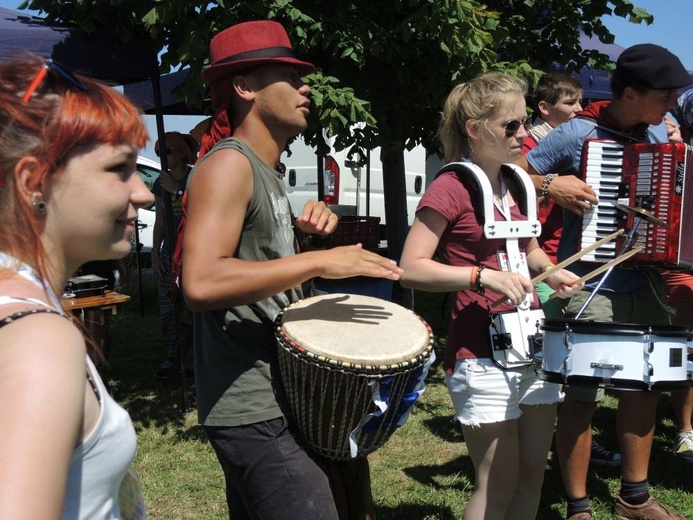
(352, 367)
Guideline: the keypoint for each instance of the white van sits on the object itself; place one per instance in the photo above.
(346, 184)
(148, 171)
(349, 189)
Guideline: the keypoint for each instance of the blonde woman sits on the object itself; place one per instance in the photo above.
(507, 415)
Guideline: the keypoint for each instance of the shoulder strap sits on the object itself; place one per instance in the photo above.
(527, 200)
(23, 314)
(467, 171)
(7, 300)
(609, 129)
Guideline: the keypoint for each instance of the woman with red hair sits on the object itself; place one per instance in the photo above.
(69, 193)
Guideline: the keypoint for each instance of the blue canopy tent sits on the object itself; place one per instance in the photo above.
(101, 55)
(596, 83)
(141, 94)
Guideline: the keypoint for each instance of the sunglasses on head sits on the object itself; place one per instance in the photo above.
(51, 66)
(511, 127)
(168, 150)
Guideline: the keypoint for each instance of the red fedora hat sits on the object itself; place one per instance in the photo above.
(248, 44)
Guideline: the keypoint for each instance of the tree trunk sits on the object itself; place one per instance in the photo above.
(395, 193)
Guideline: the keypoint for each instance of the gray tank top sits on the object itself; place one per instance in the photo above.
(235, 349)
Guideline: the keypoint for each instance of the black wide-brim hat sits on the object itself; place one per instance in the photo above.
(249, 44)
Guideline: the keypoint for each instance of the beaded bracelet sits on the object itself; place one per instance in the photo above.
(480, 286)
(548, 179)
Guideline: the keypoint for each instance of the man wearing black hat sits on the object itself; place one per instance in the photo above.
(240, 269)
(644, 88)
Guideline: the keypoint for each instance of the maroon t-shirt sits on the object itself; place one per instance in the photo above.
(463, 244)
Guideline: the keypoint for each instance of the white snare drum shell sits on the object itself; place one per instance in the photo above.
(625, 356)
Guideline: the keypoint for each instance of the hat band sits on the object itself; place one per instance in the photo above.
(270, 52)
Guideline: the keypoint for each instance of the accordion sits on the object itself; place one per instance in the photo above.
(656, 177)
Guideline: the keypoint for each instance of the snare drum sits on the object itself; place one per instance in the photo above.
(352, 367)
(616, 355)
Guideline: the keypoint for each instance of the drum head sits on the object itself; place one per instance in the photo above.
(355, 330)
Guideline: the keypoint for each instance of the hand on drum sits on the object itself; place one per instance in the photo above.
(563, 282)
(316, 219)
(514, 286)
(346, 261)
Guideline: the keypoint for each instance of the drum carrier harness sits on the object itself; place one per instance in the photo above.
(514, 336)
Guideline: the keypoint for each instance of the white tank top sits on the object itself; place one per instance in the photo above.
(99, 476)
(100, 462)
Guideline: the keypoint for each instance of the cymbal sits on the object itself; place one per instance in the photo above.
(643, 213)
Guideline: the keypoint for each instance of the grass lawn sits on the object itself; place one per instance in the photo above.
(422, 473)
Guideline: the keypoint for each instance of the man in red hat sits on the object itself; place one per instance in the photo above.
(241, 269)
(644, 88)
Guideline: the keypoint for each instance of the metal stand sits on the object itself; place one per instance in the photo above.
(138, 247)
(631, 238)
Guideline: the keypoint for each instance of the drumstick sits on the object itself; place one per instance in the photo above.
(543, 276)
(606, 266)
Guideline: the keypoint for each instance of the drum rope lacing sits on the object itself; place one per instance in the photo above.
(335, 403)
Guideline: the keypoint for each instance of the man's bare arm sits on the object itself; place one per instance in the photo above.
(567, 190)
(213, 278)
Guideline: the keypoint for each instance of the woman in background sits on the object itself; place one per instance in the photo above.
(181, 152)
(69, 193)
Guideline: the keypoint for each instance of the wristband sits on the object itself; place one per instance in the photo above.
(472, 278)
(546, 267)
(545, 185)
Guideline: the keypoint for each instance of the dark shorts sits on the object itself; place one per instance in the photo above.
(269, 476)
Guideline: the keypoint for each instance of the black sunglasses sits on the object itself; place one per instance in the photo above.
(168, 150)
(52, 66)
(511, 127)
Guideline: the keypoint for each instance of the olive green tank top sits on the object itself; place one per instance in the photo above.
(236, 368)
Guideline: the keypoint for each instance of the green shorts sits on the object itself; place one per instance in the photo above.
(551, 308)
(638, 306)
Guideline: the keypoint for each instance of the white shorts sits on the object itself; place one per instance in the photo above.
(483, 393)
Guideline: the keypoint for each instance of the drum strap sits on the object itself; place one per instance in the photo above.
(521, 327)
(516, 352)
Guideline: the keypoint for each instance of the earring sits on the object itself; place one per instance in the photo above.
(40, 207)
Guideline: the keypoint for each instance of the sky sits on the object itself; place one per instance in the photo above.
(671, 27)
(673, 22)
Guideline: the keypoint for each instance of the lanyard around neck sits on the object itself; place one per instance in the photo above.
(504, 205)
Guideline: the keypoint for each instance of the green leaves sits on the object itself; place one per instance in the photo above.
(375, 58)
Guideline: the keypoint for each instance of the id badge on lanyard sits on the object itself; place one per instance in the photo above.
(519, 266)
